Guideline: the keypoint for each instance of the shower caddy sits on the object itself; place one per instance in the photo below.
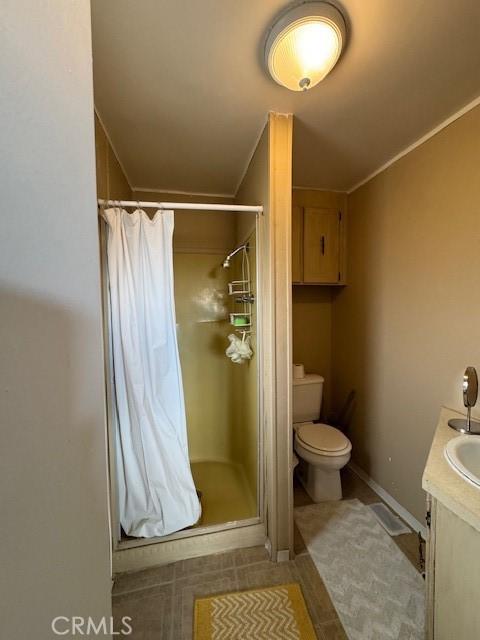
(241, 293)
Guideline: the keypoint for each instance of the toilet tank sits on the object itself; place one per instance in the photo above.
(307, 398)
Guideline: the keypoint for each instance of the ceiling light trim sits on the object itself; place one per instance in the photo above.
(312, 67)
(433, 132)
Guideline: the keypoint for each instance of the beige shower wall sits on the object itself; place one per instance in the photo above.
(202, 309)
(198, 231)
(407, 324)
(111, 180)
(245, 384)
(220, 396)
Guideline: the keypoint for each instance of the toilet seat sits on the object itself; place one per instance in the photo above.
(322, 439)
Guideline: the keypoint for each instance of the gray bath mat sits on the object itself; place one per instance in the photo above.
(377, 593)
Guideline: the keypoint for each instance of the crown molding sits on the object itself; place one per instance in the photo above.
(433, 132)
(112, 146)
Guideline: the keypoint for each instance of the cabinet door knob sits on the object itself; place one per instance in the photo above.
(322, 245)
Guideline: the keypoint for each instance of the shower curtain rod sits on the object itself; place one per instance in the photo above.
(182, 205)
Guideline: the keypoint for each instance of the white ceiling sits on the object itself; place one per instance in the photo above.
(181, 88)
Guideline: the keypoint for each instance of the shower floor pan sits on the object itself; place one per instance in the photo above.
(225, 494)
(225, 498)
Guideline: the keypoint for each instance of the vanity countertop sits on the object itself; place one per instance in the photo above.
(442, 482)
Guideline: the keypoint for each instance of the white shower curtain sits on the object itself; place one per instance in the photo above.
(156, 491)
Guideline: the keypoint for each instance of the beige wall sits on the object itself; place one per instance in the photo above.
(53, 476)
(407, 324)
(312, 333)
(312, 306)
(111, 181)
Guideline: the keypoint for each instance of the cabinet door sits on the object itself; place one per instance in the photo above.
(321, 245)
(297, 244)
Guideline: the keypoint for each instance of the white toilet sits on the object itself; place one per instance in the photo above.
(322, 449)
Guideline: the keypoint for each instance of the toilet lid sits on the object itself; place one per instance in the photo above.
(323, 437)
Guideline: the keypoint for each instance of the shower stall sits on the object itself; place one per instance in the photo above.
(220, 395)
(217, 289)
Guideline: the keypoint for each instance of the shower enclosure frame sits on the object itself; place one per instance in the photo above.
(139, 553)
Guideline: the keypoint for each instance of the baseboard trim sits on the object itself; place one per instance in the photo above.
(283, 555)
(390, 500)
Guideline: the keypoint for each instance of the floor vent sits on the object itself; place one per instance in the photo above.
(389, 521)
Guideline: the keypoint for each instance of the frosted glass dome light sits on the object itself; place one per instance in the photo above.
(304, 45)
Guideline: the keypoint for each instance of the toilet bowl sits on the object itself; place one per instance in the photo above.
(323, 450)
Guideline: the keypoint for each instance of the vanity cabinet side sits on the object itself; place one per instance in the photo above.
(454, 551)
(430, 567)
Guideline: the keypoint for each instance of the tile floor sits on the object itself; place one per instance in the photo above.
(160, 600)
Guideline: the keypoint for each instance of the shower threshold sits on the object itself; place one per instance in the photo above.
(130, 543)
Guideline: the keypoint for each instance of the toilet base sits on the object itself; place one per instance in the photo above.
(322, 485)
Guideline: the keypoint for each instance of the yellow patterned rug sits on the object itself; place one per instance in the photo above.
(274, 613)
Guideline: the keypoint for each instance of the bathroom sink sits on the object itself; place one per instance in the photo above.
(463, 455)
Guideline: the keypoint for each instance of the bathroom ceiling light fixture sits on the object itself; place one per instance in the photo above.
(304, 45)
